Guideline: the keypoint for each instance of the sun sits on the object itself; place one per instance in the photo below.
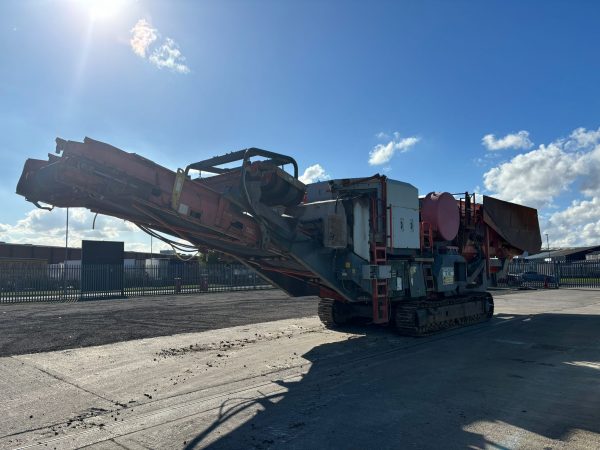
(103, 9)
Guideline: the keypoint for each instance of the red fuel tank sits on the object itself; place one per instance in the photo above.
(440, 210)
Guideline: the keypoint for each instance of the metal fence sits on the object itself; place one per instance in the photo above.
(76, 283)
(569, 274)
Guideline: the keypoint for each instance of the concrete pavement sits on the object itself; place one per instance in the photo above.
(530, 378)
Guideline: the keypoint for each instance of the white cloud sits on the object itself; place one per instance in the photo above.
(568, 166)
(167, 55)
(142, 35)
(313, 174)
(534, 178)
(581, 137)
(578, 224)
(48, 228)
(517, 141)
(537, 177)
(382, 153)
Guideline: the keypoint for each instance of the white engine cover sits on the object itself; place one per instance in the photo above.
(402, 215)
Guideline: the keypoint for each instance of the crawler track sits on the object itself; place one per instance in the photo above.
(331, 313)
(325, 312)
(425, 317)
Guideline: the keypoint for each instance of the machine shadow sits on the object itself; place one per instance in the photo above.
(506, 379)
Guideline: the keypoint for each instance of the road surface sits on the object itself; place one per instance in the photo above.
(36, 327)
(530, 378)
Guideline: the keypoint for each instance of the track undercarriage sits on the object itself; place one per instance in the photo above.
(419, 317)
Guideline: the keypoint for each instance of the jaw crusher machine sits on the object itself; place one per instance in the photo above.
(368, 247)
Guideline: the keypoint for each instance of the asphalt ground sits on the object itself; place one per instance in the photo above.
(527, 379)
(41, 327)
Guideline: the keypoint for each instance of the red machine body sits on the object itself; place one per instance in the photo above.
(368, 246)
(440, 210)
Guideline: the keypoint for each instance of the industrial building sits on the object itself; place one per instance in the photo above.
(564, 254)
(55, 254)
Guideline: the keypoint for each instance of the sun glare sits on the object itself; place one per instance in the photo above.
(103, 9)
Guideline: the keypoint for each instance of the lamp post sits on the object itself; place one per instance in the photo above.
(66, 255)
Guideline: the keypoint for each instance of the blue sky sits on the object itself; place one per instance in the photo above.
(413, 86)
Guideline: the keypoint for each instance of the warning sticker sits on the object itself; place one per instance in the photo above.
(447, 275)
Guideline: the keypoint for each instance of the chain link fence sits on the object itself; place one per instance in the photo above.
(91, 282)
